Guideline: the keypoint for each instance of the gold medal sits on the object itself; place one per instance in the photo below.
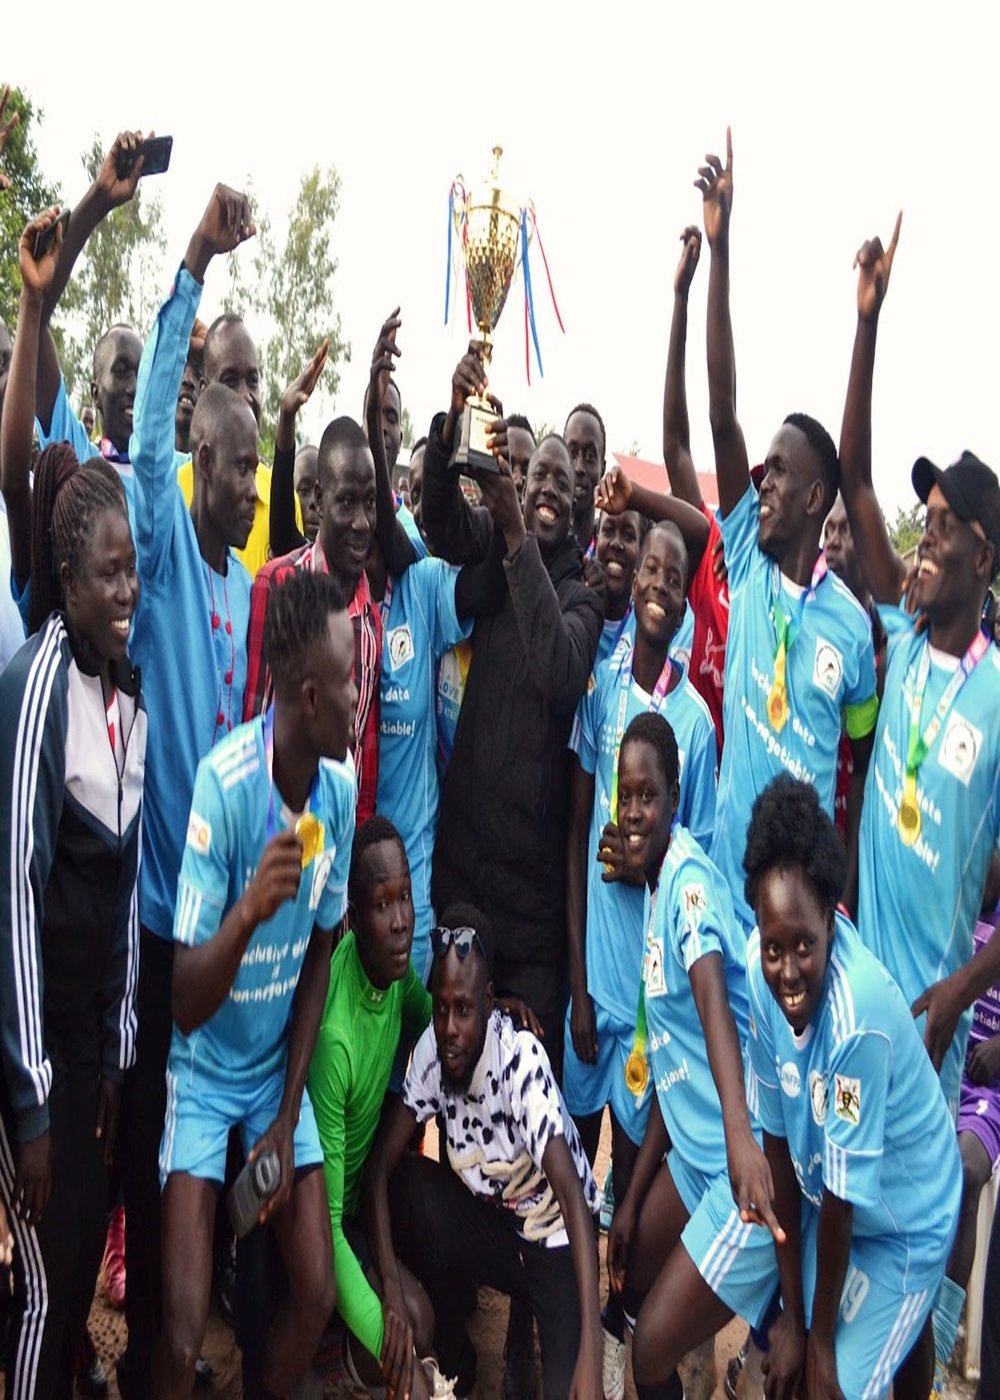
(636, 1073)
(777, 708)
(910, 820)
(309, 830)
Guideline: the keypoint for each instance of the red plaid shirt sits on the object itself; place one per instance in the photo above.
(367, 623)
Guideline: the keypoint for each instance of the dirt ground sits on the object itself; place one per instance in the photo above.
(488, 1330)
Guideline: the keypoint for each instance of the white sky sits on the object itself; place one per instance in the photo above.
(604, 114)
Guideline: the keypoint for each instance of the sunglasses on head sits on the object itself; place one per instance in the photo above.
(461, 939)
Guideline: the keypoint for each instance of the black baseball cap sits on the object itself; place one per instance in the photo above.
(971, 489)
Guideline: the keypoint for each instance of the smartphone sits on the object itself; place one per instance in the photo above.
(45, 239)
(155, 157)
(254, 1186)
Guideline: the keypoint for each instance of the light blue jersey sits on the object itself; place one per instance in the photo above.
(615, 927)
(680, 647)
(233, 808)
(918, 905)
(830, 677)
(420, 625)
(858, 1102)
(190, 627)
(617, 637)
(689, 916)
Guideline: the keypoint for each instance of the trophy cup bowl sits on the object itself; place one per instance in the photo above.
(490, 247)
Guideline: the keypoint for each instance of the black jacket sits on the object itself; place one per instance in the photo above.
(501, 839)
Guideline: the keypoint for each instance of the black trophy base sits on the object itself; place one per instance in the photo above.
(472, 456)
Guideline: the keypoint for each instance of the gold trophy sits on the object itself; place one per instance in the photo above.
(488, 227)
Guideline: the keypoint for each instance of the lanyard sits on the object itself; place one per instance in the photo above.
(655, 704)
(308, 828)
(784, 632)
(636, 1066)
(919, 744)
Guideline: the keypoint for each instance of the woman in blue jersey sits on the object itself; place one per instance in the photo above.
(688, 1242)
(861, 1147)
(72, 760)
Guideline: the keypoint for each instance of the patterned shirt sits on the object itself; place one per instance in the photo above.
(367, 622)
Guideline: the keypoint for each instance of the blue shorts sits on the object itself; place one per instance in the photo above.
(587, 1088)
(201, 1113)
(737, 1261)
(877, 1326)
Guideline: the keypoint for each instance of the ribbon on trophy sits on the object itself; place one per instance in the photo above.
(910, 822)
(464, 204)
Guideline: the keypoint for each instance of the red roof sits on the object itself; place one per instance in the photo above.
(653, 475)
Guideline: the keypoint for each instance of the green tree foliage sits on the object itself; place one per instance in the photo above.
(291, 295)
(907, 528)
(28, 195)
(120, 275)
(406, 427)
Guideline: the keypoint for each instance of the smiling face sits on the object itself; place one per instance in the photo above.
(116, 365)
(383, 916)
(646, 808)
(347, 511)
(102, 590)
(658, 590)
(617, 552)
(548, 495)
(954, 562)
(791, 491)
(585, 445)
(463, 1002)
(795, 938)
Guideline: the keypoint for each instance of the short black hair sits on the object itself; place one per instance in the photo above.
(460, 914)
(343, 432)
(824, 451)
(216, 403)
(296, 623)
(518, 420)
(373, 832)
(420, 443)
(669, 528)
(655, 731)
(226, 319)
(589, 408)
(789, 828)
(102, 340)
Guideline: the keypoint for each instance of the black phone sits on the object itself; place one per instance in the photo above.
(255, 1185)
(155, 157)
(45, 239)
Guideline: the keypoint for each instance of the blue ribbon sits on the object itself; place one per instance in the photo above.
(527, 288)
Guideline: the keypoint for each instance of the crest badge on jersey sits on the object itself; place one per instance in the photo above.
(847, 1099)
(199, 834)
(400, 644)
(960, 745)
(655, 978)
(818, 1097)
(828, 669)
(695, 903)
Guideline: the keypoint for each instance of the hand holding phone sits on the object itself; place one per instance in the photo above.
(155, 157)
(45, 239)
(251, 1191)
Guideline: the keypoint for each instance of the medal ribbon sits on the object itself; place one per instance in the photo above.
(784, 632)
(655, 704)
(636, 1068)
(272, 819)
(919, 745)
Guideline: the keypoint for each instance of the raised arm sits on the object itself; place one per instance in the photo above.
(457, 531)
(395, 544)
(676, 430)
(731, 462)
(18, 425)
(616, 492)
(882, 567)
(284, 533)
(106, 194)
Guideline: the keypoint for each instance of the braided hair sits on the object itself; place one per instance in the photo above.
(66, 499)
